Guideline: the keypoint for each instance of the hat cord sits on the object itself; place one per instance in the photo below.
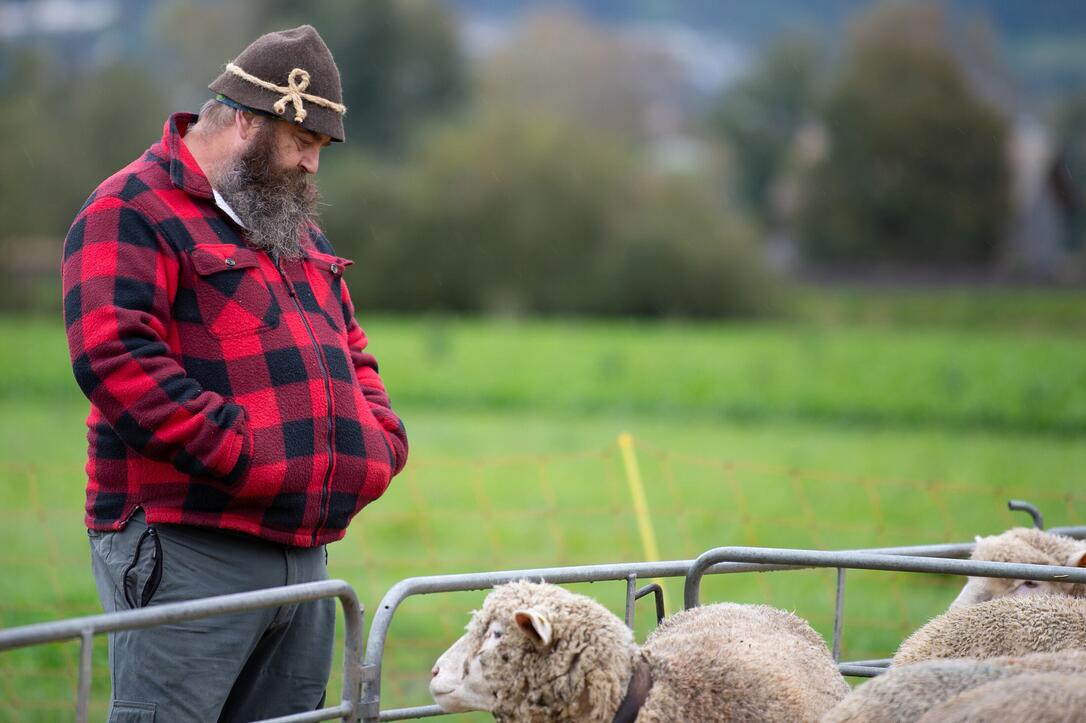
(297, 82)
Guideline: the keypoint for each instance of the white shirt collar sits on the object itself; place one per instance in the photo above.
(221, 203)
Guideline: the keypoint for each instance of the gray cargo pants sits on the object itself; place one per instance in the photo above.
(238, 667)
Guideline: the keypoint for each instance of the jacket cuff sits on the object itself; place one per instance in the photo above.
(241, 452)
(244, 458)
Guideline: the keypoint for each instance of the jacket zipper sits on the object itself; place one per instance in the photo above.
(327, 398)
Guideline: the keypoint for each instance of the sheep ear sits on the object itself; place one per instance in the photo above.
(535, 626)
(1077, 559)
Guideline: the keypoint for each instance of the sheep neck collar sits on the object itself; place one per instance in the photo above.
(636, 692)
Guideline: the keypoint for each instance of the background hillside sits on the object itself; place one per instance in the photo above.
(1042, 42)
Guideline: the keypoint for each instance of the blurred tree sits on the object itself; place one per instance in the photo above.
(193, 41)
(609, 82)
(66, 131)
(916, 171)
(30, 89)
(400, 61)
(759, 116)
(1070, 139)
(521, 213)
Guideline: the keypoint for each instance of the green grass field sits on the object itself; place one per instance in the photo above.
(840, 431)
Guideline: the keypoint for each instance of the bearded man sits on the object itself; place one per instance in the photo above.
(237, 423)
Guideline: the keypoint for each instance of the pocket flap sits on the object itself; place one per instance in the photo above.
(127, 711)
(328, 262)
(213, 258)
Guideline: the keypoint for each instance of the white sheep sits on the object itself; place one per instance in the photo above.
(1037, 697)
(1023, 545)
(537, 652)
(906, 693)
(1004, 626)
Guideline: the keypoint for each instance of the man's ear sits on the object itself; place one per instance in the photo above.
(535, 625)
(245, 124)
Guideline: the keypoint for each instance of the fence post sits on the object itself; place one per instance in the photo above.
(640, 504)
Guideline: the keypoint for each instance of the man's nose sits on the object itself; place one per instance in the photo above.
(311, 160)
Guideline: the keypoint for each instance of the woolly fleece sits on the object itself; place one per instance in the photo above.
(906, 693)
(716, 663)
(1004, 626)
(1038, 697)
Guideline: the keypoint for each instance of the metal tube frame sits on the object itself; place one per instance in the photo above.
(917, 558)
(85, 628)
(362, 677)
(657, 593)
(838, 614)
(870, 561)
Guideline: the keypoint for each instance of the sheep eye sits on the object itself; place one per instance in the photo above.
(1029, 583)
(496, 633)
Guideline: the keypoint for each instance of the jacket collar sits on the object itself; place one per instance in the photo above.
(185, 173)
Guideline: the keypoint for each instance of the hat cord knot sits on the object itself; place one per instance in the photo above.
(294, 92)
(297, 82)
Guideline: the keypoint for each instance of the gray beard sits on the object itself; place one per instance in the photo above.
(275, 205)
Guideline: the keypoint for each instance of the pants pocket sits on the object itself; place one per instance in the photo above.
(141, 578)
(101, 542)
(126, 711)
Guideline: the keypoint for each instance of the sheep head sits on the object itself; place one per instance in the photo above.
(537, 652)
(1023, 545)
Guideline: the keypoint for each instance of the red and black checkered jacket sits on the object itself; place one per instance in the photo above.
(227, 390)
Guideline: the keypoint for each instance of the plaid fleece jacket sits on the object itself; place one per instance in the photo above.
(227, 390)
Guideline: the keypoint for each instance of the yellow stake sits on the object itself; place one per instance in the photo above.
(641, 506)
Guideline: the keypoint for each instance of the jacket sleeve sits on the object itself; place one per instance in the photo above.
(373, 389)
(119, 279)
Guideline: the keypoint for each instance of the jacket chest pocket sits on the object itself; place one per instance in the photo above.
(325, 275)
(231, 291)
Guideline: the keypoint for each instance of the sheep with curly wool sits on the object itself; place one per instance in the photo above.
(1023, 545)
(1036, 697)
(905, 694)
(1004, 626)
(537, 652)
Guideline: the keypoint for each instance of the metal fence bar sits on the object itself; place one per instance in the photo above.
(375, 644)
(85, 627)
(873, 663)
(860, 671)
(382, 618)
(361, 680)
(838, 613)
(344, 711)
(657, 593)
(943, 551)
(82, 701)
(422, 711)
(709, 560)
(631, 598)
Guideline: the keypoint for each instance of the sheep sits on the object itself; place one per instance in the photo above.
(904, 694)
(1023, 545)
(1004, 626)
(537, 652)
(1039, 697)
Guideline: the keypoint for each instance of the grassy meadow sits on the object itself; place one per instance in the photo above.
(872, 419)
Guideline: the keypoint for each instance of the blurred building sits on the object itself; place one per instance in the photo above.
(77, 33)
(1043, 240)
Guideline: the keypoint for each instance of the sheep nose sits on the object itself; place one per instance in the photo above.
(434, 672)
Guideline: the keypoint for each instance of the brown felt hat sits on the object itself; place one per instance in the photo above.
(290, 74)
